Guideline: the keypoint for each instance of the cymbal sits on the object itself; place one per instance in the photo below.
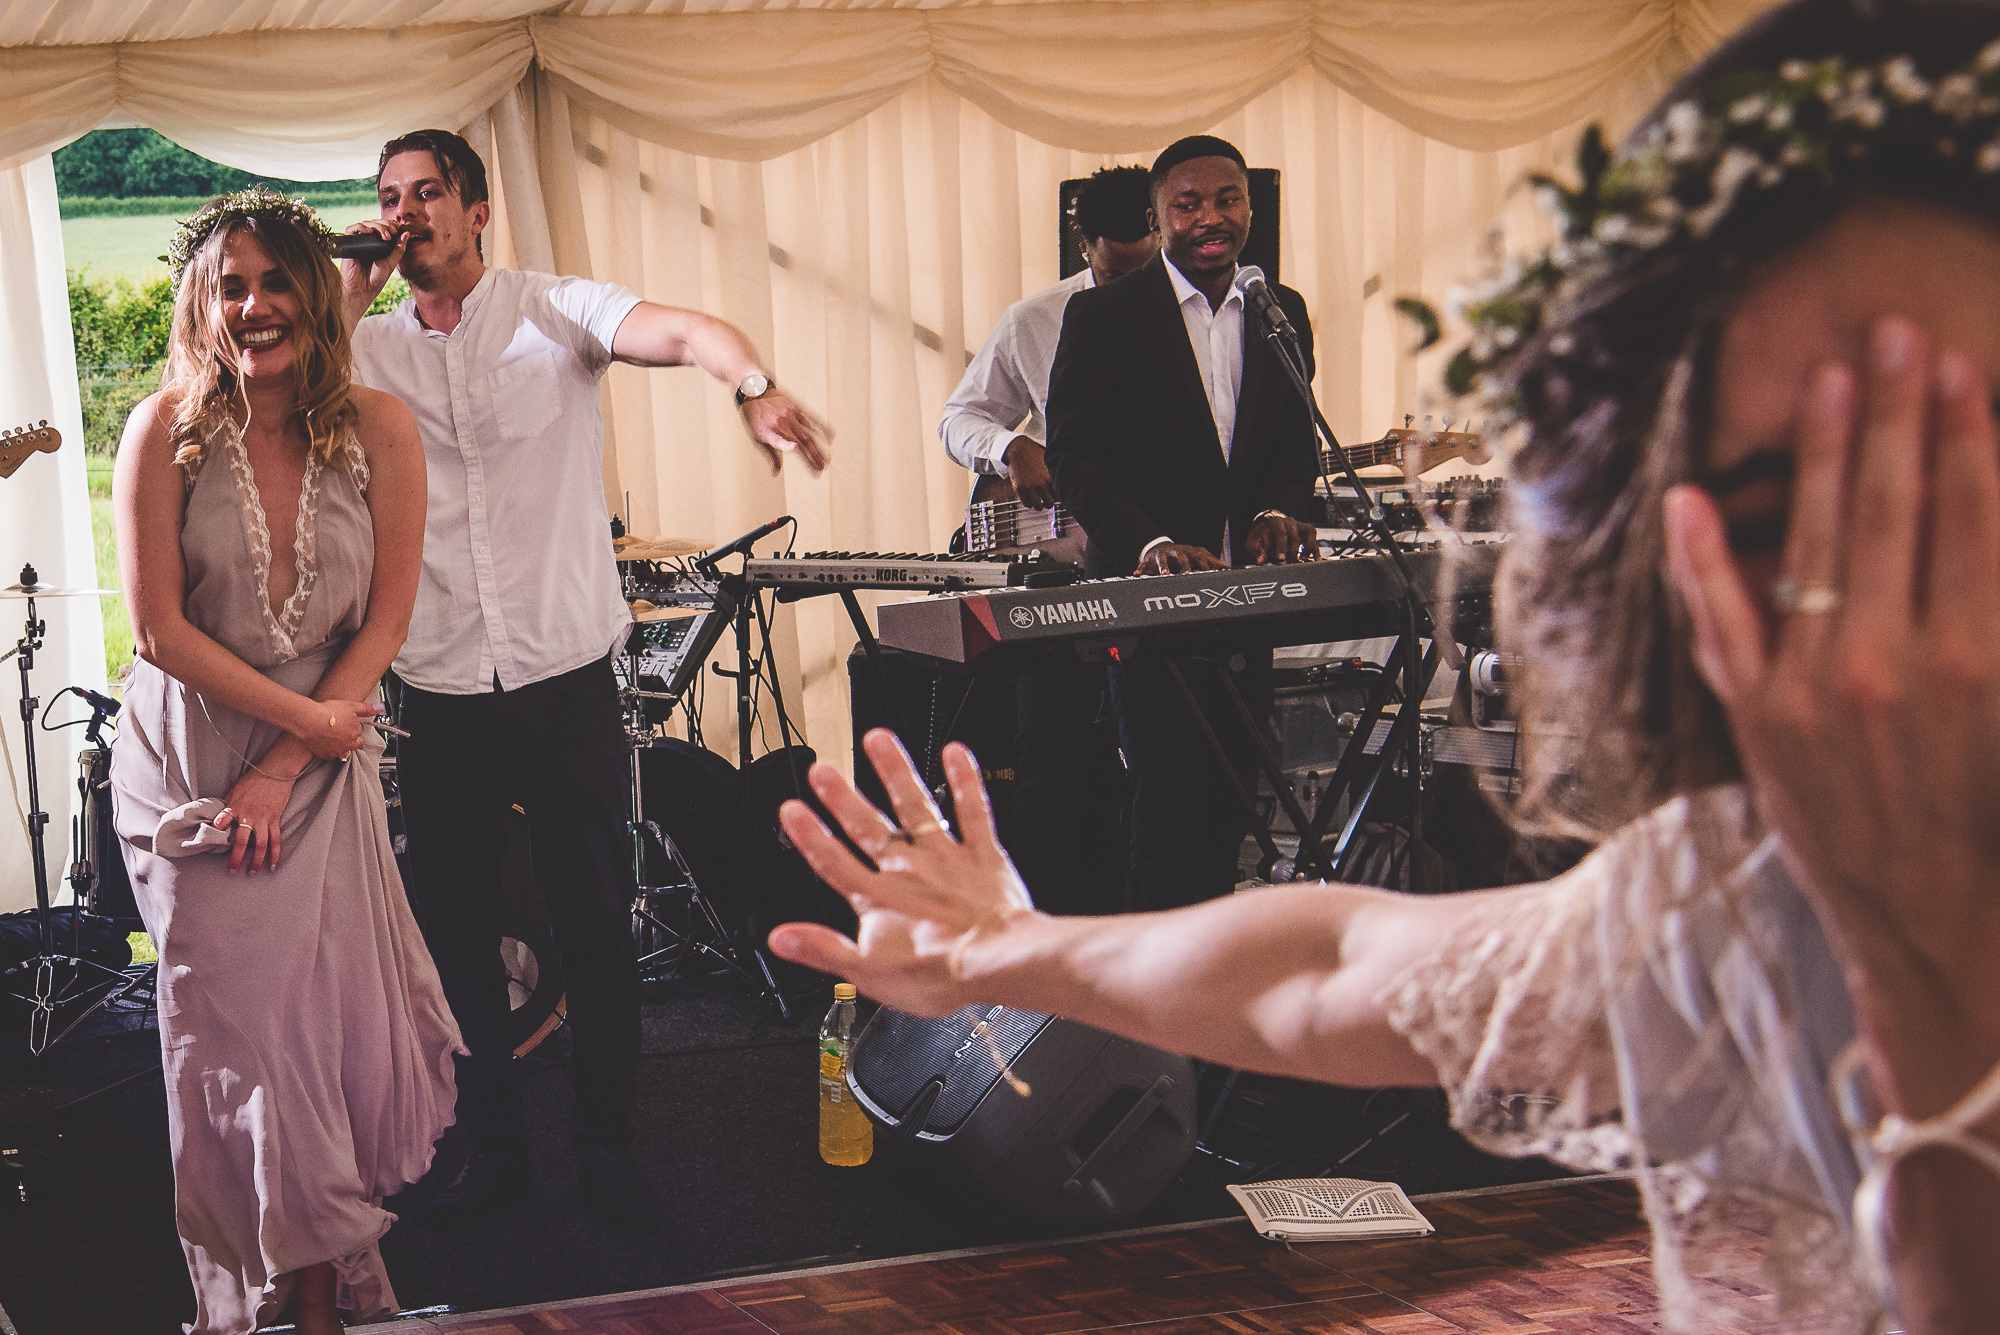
(631, 547)
(48, 591)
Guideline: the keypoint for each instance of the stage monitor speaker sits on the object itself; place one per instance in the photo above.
(1261, 249)
(1104, 1126)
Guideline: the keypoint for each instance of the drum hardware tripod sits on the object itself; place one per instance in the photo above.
(47, 994)
(702, 932)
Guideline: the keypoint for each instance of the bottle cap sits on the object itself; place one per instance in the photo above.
(843, 991)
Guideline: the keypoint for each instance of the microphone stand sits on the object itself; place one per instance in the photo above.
(1378, 519)
(49, 991)
(1417, 614)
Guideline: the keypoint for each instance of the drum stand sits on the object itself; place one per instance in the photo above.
(48, 994)
(94, 851)
(666, 949)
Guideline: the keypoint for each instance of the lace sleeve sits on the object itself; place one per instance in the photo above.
(1510, 1009)
(1668, 1007)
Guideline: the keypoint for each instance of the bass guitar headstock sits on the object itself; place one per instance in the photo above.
(1433, 448)
(17, 443)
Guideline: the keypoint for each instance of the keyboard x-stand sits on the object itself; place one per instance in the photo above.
(818, 573)
(1417, 671)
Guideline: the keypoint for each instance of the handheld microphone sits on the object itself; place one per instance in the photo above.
(366, 246)
(1257, 295)
(707, 564)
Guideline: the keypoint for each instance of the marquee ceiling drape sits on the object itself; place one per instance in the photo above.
(755, 81)
(861, 186)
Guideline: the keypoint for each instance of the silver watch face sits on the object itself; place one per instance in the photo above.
(753, 387)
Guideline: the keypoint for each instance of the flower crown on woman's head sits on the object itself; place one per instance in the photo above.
(256, 201)
(1807, 129)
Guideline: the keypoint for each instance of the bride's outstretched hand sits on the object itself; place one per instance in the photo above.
(930, 894)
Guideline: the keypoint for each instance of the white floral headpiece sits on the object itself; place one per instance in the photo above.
(256, 201)
(1808, 129)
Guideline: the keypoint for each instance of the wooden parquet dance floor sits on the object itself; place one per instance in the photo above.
(1565, 1257)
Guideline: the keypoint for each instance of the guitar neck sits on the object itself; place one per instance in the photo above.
(1414, 451)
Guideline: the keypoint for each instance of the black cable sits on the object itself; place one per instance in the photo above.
(777, 687)
(106, 716)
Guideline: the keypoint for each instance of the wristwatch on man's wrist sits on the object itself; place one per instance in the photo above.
(755, 386)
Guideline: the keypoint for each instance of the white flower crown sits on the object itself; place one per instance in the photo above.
(1809, 129)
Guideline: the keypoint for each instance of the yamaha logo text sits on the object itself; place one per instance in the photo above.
(1083, 610)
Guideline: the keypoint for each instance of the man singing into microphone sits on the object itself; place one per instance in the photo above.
(508, 691)
(1179, 444)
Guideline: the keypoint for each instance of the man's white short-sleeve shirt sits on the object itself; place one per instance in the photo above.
(519, 583)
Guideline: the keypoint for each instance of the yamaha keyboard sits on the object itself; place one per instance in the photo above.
(830, 572)
(1341, 598)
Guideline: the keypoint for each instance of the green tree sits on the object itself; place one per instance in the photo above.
(120, 164)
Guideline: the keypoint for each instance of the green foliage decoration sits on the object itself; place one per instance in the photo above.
(1753, 140)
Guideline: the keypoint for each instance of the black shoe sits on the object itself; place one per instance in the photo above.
(490, 1182)
(614, 1191)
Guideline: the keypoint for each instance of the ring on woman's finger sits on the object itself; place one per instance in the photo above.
(1804, 597)
(916, 832)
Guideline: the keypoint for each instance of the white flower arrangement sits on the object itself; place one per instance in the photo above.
(1804, 129)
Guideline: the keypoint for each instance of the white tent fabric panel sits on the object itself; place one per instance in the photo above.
(44, 519)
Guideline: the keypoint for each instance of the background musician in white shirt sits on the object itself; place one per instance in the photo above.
(1068, 797)
(508, 690)
(994, 420)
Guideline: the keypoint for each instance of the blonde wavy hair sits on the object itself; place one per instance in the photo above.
(202, 371)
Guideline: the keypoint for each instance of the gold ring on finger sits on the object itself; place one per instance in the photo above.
(1804, 597)
(916, 832)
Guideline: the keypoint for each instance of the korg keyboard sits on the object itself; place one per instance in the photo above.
(829, 572)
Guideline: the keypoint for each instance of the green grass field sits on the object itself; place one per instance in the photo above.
(131, 247)
(117, 626)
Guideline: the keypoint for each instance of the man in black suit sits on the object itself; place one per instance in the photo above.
(1179, 444)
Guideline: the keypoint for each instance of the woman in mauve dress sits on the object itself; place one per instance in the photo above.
(270, 526)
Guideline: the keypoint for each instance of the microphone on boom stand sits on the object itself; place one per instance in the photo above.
(707, 563)
(1284, 341)
(1257, 296)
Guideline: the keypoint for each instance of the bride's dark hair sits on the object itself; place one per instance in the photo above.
(1614, 401)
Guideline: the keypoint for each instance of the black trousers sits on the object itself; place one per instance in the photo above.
(557, 748)
(1187, 825)
(1067, 829)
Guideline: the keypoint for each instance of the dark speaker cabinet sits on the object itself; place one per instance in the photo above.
(1103, 1126)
